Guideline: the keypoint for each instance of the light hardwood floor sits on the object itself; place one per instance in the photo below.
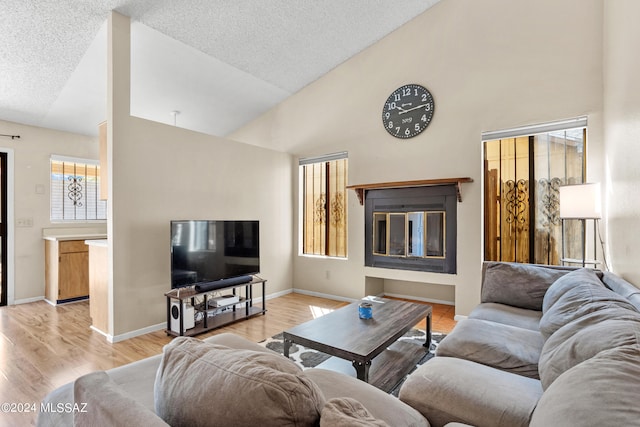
(43, 347)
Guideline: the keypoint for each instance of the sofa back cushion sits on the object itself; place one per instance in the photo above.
(518, 285)
(568, 282)
(198, 383)
(586, 296)
(584, 338)
(602, 391)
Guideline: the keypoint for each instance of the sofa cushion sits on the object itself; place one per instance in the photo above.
(581, 340)
(381, 405)
(579, 301)
(103, 403)
(601, 391)
(504, 347)
(508, 315)
(198, 382)
(519, 285)
(345, 411)
(567, 282)
(447, 389)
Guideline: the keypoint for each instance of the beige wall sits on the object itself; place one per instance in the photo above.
(490, 65)
(621, 66)
(31, 154)
(159, 173)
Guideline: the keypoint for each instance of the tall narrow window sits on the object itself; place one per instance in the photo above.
(324, 205)
(75, 190)
(524, 169)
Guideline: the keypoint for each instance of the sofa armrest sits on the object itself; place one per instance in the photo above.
(447, 389)
(100, 401)
(232, 340)
(63, 395)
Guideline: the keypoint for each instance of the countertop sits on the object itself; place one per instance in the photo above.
(96, 242)
(77, 237)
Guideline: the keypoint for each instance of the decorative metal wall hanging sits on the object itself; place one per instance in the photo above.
(517, 197)
(75, 190)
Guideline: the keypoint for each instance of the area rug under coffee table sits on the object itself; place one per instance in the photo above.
(370, 343)
(309, 358)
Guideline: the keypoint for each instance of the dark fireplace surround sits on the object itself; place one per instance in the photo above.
(412, 228)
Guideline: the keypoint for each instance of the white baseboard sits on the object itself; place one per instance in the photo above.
(132, 334)
(435, 301)
(104, 334)
(276, 295)
(28, 300)
(459, 317)
(321, 295)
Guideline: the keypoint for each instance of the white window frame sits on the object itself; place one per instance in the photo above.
(95, 209)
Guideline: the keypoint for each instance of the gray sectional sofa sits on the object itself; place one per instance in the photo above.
(224, 380)
(548, 346)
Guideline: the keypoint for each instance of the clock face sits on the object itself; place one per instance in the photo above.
(408, 111)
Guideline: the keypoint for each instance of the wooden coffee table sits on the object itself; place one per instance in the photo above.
(368, 343)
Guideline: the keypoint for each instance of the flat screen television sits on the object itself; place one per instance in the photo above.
(204, 251)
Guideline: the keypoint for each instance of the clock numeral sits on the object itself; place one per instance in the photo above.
(423, 118)
(428, 107)
(390, 125)
(424, 97)
(407, 132)
(391, 106)
(406, 91)
(398, 129)
(387, 115)
(417, 127)
(396, 97)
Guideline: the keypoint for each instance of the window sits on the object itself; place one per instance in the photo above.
(524, 169)
(324, 205)
(75, 190)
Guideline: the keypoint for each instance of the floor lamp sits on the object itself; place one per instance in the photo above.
(581, 201)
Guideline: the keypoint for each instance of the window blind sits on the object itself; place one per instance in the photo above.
(75, 190)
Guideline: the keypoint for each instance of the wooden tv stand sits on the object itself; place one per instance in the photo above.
(211, 319)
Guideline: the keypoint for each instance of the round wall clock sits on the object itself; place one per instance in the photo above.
(408, 111)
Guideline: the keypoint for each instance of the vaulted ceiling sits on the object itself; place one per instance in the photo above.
(219, 63)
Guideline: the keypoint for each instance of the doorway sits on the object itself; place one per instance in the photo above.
(3, 229)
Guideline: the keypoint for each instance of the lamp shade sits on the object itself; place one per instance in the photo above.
(580, 201)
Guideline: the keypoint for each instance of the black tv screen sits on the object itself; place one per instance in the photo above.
(205, 251)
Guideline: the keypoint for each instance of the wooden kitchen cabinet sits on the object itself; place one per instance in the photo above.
(66, 270)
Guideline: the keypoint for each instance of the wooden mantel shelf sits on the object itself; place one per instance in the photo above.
(360, 188)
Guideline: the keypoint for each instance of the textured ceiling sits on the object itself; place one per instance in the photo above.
(220, 63)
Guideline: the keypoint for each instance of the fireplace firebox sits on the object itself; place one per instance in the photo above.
(412, 228)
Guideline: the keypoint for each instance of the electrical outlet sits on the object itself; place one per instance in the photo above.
(24, 222)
